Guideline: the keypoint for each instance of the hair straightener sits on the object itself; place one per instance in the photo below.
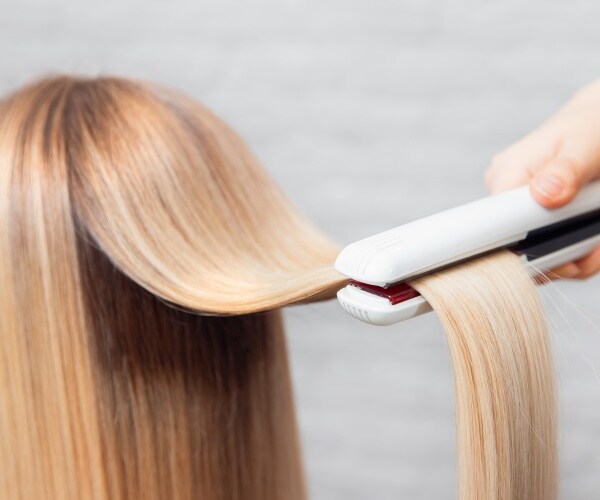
(379, 266)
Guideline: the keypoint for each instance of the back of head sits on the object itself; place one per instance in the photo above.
(123, 206)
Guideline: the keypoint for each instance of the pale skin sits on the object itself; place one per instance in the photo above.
(556, 160)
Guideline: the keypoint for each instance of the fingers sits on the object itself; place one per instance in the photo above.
(589, 265)
(566, 271)
(503, 175)
(557, 183)
(556, 160)
(554, 178)
(581, 269)
(517, 165)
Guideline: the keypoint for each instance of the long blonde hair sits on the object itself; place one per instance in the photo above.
(125, 210)
(503, 377)
(121, 204)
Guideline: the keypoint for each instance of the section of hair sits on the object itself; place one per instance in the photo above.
(505, 402)
(182, 207)
(190, 406)
(107, 391)
(49, 434)
(122, 207)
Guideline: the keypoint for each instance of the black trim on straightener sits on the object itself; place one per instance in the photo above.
(554, 237)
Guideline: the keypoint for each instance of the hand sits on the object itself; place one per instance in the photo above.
(556, 160)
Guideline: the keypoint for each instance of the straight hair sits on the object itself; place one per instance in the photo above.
(144, 254)
(503, 377)
(123, 207)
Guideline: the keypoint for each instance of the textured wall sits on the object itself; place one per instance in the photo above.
(369, 114)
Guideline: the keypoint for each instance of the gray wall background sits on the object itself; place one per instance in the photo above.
(369, 114)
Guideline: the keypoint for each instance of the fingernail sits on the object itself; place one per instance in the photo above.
(549, 185)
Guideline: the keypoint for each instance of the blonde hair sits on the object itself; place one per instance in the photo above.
(123, 207)
(503, 377)
(106, 390)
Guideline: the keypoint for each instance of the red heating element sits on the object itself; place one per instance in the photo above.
(395, 293)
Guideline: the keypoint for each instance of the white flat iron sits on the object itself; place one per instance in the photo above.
(379, 266)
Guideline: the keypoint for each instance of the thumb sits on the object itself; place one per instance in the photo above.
(558, 183)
